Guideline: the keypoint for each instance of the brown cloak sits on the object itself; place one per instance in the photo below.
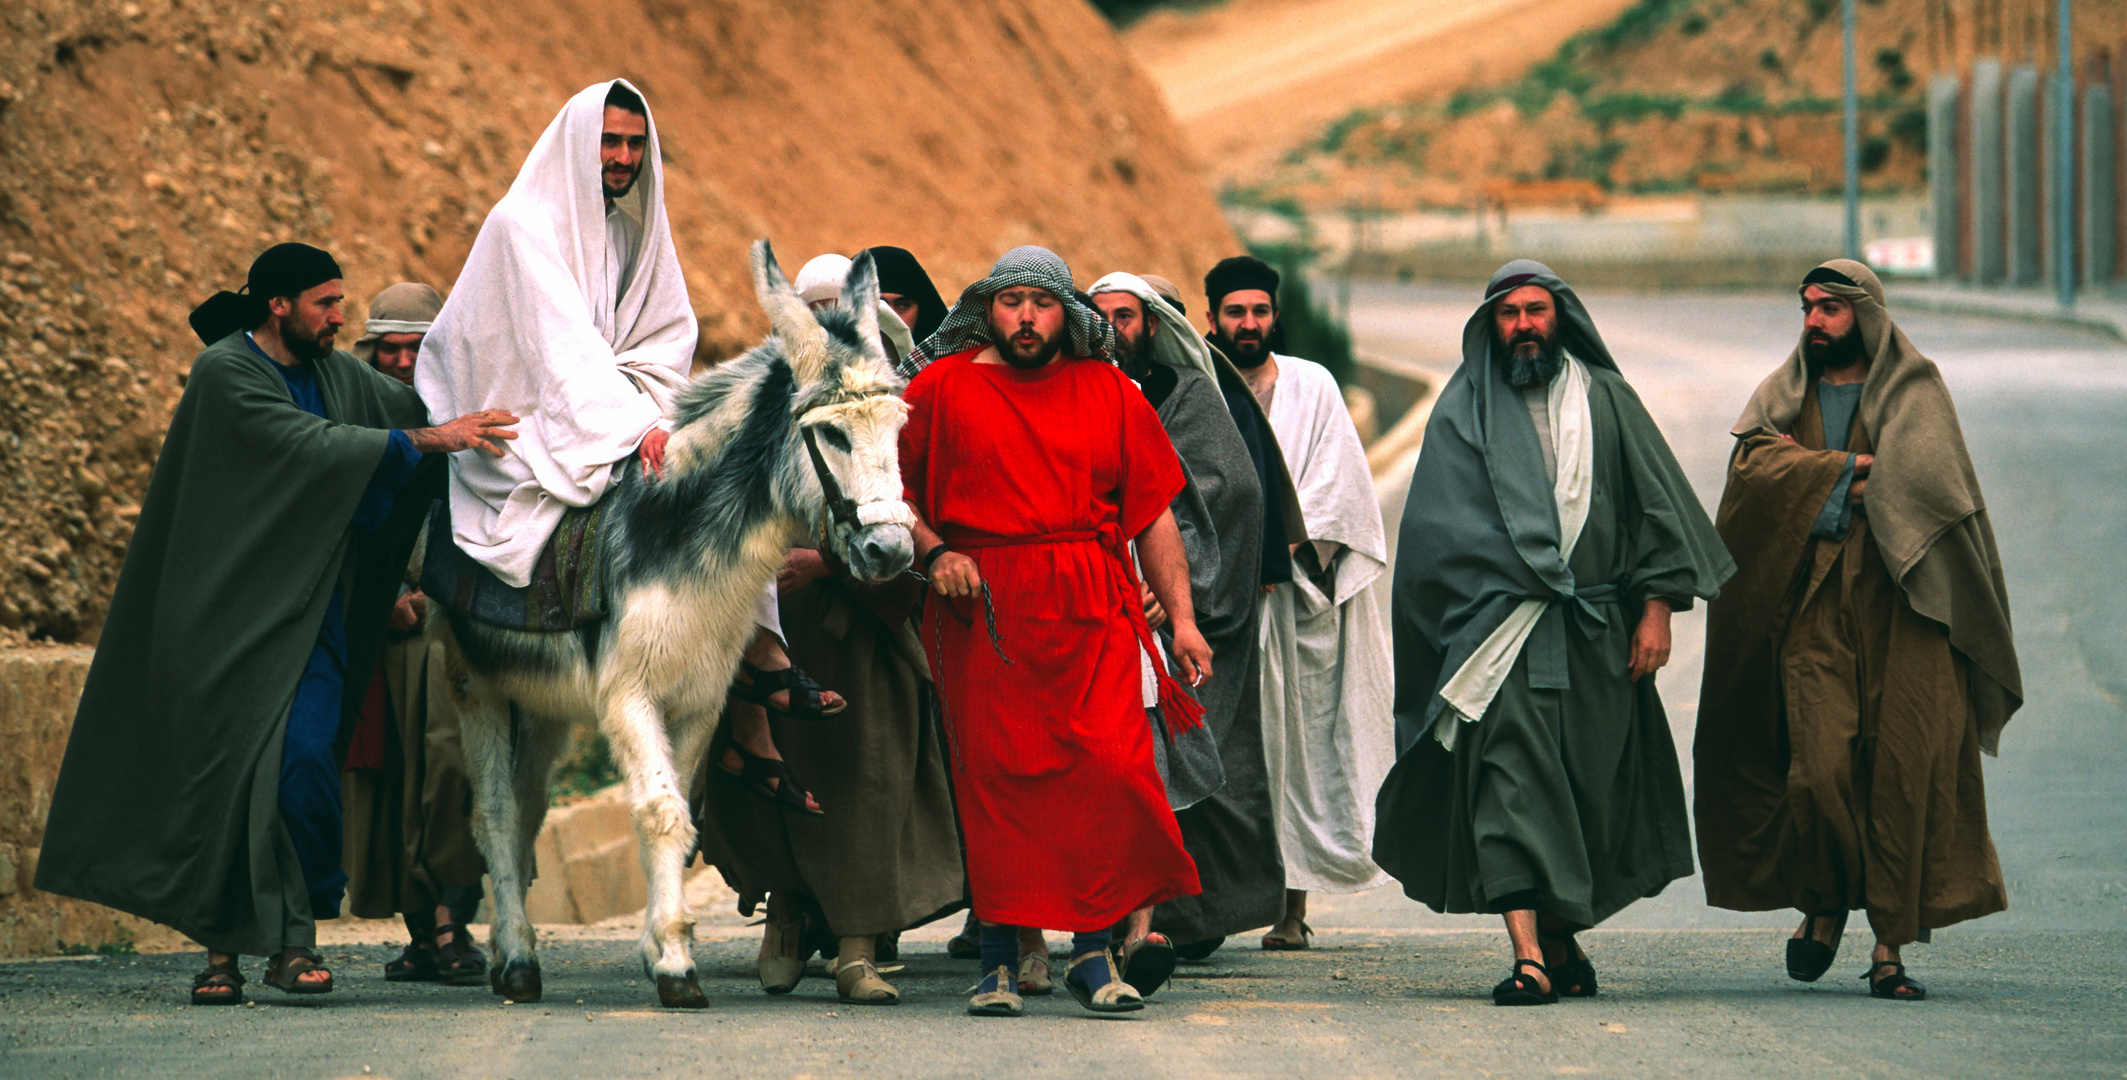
(1852, 684)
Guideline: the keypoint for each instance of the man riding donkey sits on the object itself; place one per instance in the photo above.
(578, 318)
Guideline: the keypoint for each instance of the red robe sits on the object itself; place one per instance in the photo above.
(1042, 477)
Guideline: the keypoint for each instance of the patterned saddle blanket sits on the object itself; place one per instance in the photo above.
(567, 589)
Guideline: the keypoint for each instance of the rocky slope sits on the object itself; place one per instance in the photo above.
(149, 149)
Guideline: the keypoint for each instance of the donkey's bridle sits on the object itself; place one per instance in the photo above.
(846, 512)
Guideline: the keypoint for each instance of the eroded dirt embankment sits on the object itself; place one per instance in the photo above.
(149, 149)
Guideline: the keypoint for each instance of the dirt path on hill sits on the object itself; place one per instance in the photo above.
(1251, 78)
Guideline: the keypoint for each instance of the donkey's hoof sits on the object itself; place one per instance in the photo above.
(681, 992)
(518, 981)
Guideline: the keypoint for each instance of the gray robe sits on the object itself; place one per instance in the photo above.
(1230, 832)
(1568, 787)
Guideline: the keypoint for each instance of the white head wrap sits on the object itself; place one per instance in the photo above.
(822, 278)
(538, 324)
(1177, 344)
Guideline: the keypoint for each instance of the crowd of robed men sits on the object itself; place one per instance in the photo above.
(1138, 686)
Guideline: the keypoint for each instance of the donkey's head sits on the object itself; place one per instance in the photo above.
(848, 413)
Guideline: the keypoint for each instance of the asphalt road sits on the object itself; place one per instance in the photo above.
(1391, 989)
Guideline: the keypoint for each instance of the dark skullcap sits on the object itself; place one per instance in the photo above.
(1238, 273)
(281, 270)
(901, 275)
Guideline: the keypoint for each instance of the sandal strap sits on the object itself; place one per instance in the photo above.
(228, 970)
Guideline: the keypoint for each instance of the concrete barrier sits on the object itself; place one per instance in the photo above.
(1943, 208)
(2100, 183)
(1984, 158)
(2025, 176)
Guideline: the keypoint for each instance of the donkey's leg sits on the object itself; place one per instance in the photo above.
(490, 758)
(664, 833)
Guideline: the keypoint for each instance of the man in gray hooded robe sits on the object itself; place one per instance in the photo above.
(1548, 536)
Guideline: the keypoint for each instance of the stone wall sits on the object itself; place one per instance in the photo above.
(586, 852)
(38, 689)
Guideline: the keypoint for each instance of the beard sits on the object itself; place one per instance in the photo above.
(307, 347)
(626, 185)
(1822, 356)
(1247, 351)
(1532, 359)
(1133, 353)
(1027, 355)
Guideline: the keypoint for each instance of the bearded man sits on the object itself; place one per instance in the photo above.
(1032, 470)
(1325, 681)
(572, 310)
(1227, 830)
(1548, 537)
(1862, 660)
(200, 787)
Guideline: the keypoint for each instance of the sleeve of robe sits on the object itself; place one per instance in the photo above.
(1677, 554)
(1150, 475)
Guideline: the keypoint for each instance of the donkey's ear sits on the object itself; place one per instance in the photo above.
(804, 343)
(860, 297)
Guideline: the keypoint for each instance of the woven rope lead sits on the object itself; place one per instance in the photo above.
(989, 617)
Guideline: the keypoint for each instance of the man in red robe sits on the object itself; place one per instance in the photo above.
(1032, 464)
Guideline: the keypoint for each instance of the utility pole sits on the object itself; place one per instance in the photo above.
(2064, 158)
(1853, 139)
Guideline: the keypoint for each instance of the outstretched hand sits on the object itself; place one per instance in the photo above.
(467, 432)
(1650, 643)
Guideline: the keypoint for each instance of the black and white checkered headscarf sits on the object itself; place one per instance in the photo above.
(968, 324)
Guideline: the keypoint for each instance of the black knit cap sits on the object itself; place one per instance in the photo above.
(281, 270)
(1238, 273)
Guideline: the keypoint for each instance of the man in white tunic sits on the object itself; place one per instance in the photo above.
(1326, 679)
(572, 309)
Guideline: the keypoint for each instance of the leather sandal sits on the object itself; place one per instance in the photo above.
(1897, 986)
(784, 968)
(1276, 942)
(1807, 958)
(858, 982)
(1111, 996)
(219, 984)
(1573, 976)
(755, 775)
(285, 971)
(416, 963)
(995, 996)
(806, 700)
(1520, 989)
(459, 962)
(1148, 962)
(1034, 977)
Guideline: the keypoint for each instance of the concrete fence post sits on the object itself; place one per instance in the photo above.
(2024, 192)
(1984, 155)
(1943, 148)
(2100, 225)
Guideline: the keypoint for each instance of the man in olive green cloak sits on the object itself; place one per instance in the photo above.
(200, 787)
(1548, 537)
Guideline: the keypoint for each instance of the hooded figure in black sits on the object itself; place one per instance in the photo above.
(902, 281)
(1548, 536)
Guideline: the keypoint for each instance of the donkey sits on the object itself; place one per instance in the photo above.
(805, 424)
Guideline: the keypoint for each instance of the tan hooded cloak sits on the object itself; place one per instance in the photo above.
(1852, 684)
